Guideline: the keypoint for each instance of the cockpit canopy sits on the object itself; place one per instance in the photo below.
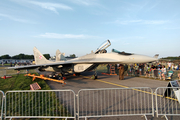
(121, 53)
(102, 48)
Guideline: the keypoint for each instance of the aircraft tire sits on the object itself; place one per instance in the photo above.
(77, 74)
(94, 77)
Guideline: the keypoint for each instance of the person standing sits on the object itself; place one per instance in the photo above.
(169, 65)
(173, 67)
(108, 68)
(147, 71)
(136, 69)
(178, 71)
(116, 69)
(178, 74)
(121, 72)
(131, 69)
(140, 69)
(163, 72)
(159, 73)
(126, 69)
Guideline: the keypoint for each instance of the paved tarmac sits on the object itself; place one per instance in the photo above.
(77, 83)
(83, 81)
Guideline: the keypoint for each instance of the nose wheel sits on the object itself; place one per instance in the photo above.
(95, 75)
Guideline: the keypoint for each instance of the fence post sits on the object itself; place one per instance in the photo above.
(2, 97)
(167, 101)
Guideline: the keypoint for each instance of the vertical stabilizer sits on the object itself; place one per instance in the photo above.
(156, 56)
(60, 56)
(39, 58)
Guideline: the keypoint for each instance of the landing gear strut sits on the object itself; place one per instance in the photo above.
(95, 75)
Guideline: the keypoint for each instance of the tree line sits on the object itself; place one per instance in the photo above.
(172, 58)
(22, 56)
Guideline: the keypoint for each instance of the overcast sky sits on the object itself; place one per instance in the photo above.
(144, 27)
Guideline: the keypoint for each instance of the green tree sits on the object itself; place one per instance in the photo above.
(73, 55)
(15, 57)
(23, 56)
(47, 56)
(5, 57)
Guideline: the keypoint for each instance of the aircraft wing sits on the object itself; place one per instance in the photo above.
(26, 67)
(74, 61)
(94, 61)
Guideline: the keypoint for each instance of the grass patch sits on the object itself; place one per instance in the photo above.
(31, 103)
(5, 65)
(20, 82)
(102, 68)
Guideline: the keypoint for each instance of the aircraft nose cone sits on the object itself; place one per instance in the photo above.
(151, 59)
(145, 59)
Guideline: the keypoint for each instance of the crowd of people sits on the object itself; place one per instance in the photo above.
(155, 69)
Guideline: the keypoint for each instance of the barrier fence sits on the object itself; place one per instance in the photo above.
(1, 103)
(115, 102)
(40, 104)
(89, 103)
(167, 101)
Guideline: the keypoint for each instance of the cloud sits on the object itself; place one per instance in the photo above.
(155, 22)
(65, 36)
(14, 18)
(85, 2)
(133, 37)
(150, 22)
(51, 6)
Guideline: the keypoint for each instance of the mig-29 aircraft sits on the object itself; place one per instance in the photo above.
(85, 63)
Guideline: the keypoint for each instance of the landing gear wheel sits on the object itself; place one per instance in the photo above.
(94, 77)
(77, 74)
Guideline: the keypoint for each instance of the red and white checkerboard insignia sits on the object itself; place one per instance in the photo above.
(40, 57)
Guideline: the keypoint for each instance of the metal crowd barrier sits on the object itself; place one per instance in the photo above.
(1, 103)
(167, 101)
(105, 102)
(40, 104)
(115, 102)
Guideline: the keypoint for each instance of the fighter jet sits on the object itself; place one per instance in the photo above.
(87, 62)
